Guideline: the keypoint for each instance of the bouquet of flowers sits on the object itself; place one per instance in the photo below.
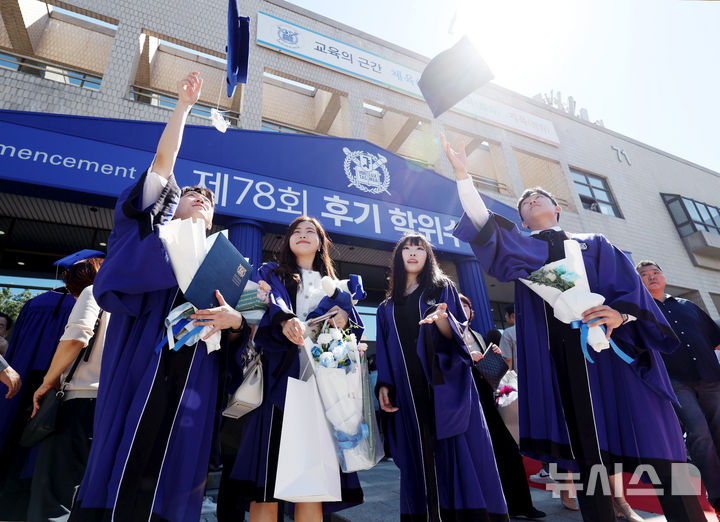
(564, 285)
(337, 362)
(506, 392)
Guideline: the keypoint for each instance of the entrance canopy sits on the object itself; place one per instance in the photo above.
(355, 188)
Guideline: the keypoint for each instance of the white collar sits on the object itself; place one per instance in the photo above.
(556, 227)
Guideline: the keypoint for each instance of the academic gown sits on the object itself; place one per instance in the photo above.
(631, 403)
(256, 463)
(35, 337)
(443, 448)
(155, 411)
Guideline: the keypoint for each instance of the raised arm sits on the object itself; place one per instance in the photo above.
(472, 203)
(169, 144)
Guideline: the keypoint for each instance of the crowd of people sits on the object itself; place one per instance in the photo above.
(139, 419)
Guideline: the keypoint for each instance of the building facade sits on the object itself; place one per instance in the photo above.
(312, 76)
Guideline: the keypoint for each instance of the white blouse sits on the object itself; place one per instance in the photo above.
(80, 326)
(309, 293)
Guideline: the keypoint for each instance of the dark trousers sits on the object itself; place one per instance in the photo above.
(576, 399)
(61, 462)
(699, 414)
(507, 455)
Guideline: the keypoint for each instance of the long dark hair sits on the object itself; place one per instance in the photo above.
(287, 264)
(431, 279)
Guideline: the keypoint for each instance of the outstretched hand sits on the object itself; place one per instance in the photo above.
(458, 159)
(218, 318)
(189, 89)
(439, 313)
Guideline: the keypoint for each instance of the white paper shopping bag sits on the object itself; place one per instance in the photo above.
(308, 469)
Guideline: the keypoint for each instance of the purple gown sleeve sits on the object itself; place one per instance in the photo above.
(447, 364)
(279, 309)
(382, 357)
(137, 262)
(623, 290)
(503, 251)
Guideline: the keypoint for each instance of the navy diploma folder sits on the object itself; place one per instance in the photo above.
(224, 268)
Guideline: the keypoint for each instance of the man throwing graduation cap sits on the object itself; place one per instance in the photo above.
(588, 417)
(155, 409)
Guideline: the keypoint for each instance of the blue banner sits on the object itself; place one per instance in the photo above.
(352, 186)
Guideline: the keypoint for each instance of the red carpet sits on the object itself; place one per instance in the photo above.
(648, 502)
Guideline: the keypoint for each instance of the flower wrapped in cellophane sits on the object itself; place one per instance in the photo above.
(340, 369)
(564, 285)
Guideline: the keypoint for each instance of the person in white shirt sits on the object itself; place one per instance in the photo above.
(63, 455)
(508, 342)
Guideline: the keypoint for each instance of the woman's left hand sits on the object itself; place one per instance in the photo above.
(476, 356)
(439, 313)
(610, 317)
(218, 318)
(340, 318)
(495, 348)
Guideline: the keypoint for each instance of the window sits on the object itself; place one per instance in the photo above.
(690, 216)
(595, 193)
(270, 126)
(168, 101)
(56, 73)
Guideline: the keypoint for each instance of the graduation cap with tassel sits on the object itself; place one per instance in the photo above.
(238, 49)
(452, 75)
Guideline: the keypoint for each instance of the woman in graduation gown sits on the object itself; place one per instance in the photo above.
(296, 290)
(437, 432)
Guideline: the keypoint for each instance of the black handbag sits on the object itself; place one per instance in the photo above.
(42, 424)
(492, 366)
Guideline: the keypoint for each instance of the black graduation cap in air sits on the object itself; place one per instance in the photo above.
(68, 261)
(238, 48)
(452, 75)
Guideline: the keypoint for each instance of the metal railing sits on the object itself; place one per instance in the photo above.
(49, 70)
(168, 101)
(494, 185)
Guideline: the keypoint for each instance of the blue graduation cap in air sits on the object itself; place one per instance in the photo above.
(238, 48)
(70, 260)
(452, 75)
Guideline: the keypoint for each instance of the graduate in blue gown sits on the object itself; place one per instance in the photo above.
(156, 410)
(437, 432)
(572, 412)
(35, 336)
(303, 259)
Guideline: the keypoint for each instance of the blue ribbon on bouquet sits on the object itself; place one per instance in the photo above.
(584, 327)
(346, 442)
(175, 322)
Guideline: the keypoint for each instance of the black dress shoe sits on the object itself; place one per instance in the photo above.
(533, 514)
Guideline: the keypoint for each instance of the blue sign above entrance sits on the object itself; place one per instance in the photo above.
(352, 186)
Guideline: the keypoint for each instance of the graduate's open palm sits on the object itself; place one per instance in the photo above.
(458, 158)
(189, 88)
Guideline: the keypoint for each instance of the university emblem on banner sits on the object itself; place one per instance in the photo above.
(366, 171)
(287, 37)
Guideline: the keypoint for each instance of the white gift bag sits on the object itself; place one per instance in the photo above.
(308, 469)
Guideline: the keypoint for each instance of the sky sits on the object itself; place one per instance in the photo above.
(649, 69)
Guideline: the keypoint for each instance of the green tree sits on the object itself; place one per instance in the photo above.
(11, 302)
